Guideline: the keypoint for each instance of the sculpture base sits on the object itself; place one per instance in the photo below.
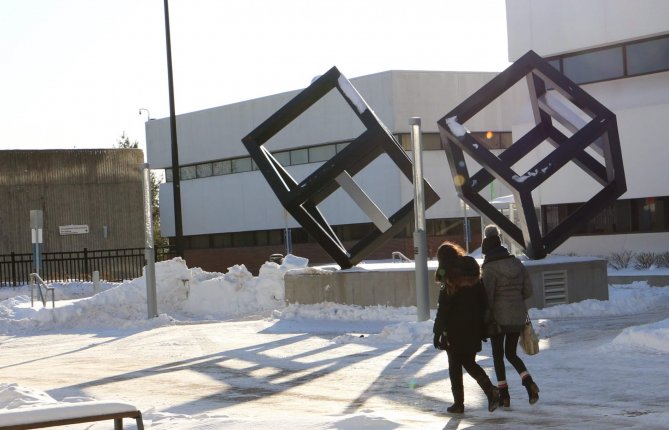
(556, 280)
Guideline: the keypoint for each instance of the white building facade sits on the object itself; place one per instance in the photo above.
(618, 51)
(230, 215)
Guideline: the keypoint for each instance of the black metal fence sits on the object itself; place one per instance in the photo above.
(112, 264)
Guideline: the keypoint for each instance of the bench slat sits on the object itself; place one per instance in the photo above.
(59, 414)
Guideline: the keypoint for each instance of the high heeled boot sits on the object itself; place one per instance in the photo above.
(458, 406)
(492, 393)
(532, 389)
(504, 398)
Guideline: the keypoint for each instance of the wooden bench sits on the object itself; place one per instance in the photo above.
(60, 414)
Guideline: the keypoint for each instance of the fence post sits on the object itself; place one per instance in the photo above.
(13, 270)
(88, 276)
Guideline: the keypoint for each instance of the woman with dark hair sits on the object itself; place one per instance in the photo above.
(458, 326)
(507, 285)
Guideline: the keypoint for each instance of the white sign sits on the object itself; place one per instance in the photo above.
(73, 229)
(37, 235)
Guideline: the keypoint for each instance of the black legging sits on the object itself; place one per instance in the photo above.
(506, 344)
(456, 361)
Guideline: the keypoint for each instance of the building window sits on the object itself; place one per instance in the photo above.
(595, 66)
(299, 156)
(204, 170)
(341, 146)
(222, 240)
(312, 154)
(643, 215)
(282, 158)
(648, 57)
(187, 172)
(242, 165)
(222, 167)
(243, 238)
(616, 61)
(199, 242)
(321, 153)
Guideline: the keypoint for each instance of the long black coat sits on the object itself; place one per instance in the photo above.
(460, 315)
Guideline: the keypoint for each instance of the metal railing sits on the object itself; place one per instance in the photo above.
(36, 281)
(112, 264)
(398, 256)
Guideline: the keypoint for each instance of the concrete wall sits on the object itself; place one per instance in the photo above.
(244, 201)
(586, 279)
(97, 188)
(551, 28)
(395, 96)
(396, 288)
(641, 105)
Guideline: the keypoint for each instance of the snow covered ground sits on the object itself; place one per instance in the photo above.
(226, 352)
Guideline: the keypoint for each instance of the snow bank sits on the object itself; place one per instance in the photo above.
(182, 294)
(185, 294)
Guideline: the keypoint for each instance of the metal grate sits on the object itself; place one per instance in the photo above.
(555, 287)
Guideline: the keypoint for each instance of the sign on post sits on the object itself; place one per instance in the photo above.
(36, 226)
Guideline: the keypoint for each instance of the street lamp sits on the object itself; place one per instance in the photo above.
(148, 115)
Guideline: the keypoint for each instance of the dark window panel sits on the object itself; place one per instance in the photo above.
(595, 66)
(647, 57)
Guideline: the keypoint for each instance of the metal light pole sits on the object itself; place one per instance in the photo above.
(149, 251)
(465, 226)
(176, 182)
(419, 235)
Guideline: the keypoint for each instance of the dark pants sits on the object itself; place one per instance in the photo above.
(456, 361)
(506, 344)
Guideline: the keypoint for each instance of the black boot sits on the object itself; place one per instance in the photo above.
(532, 389)
(492, 393)
(504, 398)
(458, 406)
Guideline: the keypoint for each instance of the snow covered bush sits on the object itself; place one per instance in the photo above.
(620, 260)
(663, 259)
(645, 260)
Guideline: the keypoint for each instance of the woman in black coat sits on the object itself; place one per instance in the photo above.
(458, 326)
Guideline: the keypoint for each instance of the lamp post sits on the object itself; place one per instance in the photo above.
(420, 235)
(176, 177)
(148, 115)
(148, 118)
(465, 226)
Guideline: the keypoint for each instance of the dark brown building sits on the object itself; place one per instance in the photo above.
(89, 198)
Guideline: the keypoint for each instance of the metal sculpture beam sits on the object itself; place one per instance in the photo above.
(301, 199)
(554, 99)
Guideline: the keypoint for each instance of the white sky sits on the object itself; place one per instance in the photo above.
(74, 73)
(226, 352)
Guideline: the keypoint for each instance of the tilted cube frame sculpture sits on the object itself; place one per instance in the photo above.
(600, 133)
(301, 199)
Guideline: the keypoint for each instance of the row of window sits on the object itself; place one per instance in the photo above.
(614, 62)
(313, 154)
(645, 215)
(319, 153)
(350, 232)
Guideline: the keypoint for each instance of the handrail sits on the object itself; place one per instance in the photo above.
(36, 280)
(401, 257)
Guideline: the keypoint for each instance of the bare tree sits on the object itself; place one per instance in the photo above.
(159, 241)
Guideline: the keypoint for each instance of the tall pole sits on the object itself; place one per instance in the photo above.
(149, 251)
(419, 235)
(176, 182)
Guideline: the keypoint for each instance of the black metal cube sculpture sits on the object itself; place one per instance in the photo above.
(301, 199)
(599, 132)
